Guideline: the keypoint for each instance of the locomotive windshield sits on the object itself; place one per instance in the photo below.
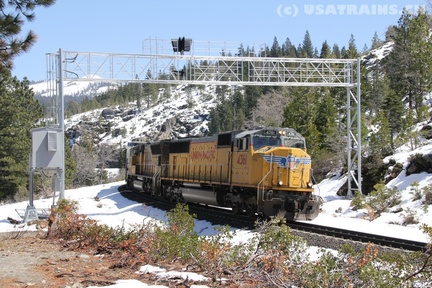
(260, 141)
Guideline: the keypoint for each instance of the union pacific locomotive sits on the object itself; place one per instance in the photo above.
(264, 171)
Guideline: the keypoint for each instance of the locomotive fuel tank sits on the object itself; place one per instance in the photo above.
(195, 193)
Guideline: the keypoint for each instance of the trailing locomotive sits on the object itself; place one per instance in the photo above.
(264, 170)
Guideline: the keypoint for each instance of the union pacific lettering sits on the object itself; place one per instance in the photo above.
(203, 155)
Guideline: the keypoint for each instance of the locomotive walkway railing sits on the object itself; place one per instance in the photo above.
(181, 68)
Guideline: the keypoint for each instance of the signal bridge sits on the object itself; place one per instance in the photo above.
(181, 61)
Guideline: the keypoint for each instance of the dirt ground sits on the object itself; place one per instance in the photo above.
(30, 260)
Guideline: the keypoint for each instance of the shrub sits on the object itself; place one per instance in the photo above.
(277, 253)
(381, 199)
(178, 241)
(410, 217)
(358, 201)
(416, 191)
(427, 191)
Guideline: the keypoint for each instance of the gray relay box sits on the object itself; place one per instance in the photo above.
(46, 150)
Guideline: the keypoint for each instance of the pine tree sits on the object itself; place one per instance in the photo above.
(325, 119)
(288, 49)
(214, 123)
(376, 42)
(409, 65)
(18, 113)
(393, 109)
(11, 22)
(70, 166)
(275, 50)
(336, 51)
(300, 113)
(352, 51)
(307, 47)
(325, 50)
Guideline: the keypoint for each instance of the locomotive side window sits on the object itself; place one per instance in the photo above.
(243, 144)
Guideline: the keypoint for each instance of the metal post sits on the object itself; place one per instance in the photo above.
(61, 124)
(359, 145)
(30, 212)
(348, 121)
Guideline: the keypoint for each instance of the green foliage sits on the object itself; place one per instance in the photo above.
(307, 49)
(373, 170)
(409, 217)
(381, 199)
(427, 192)
(70, 165)
(358, 201)
(416, 191)
(313, 114)
(18, 114)
(229, 114)
(272, 257)
(409, 63)
(178, 240)
(428, 198)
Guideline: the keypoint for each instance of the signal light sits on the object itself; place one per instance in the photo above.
(181, 44)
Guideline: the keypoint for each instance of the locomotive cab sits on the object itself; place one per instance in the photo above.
(281, 170)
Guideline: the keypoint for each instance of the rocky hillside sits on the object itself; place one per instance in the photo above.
(184, 114)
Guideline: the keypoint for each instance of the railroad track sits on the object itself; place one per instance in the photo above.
(380, 240)
(218, 216)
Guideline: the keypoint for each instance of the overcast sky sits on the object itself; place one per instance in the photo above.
(122, 26)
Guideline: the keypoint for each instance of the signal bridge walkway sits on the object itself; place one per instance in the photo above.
(208, 70)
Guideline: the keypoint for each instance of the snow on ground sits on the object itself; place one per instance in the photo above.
(105, 204)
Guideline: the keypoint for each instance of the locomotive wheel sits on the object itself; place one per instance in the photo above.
(250, 210)
(175, 198)
(235, 208)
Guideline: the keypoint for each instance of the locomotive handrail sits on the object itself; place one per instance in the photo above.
(262, 180)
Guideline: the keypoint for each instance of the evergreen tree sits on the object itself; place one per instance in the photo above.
(336, 51)
(70, 166)
(307, 47)
(409, 65)
(300, 114)
(372, 89)
(376, 42)
(352, 52)
(251, 96)
(275, 50)
(381, 141)
(325, 50)
(288, 49)
(11, 22)
(214, 123)
(18, 113)
(393, 109)
(325, 119)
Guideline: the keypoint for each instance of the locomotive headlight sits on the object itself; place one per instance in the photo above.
(280, 183)
(309, 184)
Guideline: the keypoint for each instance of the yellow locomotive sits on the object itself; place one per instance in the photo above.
(263, 170)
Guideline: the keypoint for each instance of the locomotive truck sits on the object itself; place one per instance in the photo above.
(263, 171)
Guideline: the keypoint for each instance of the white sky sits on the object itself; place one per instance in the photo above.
(122, 26)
